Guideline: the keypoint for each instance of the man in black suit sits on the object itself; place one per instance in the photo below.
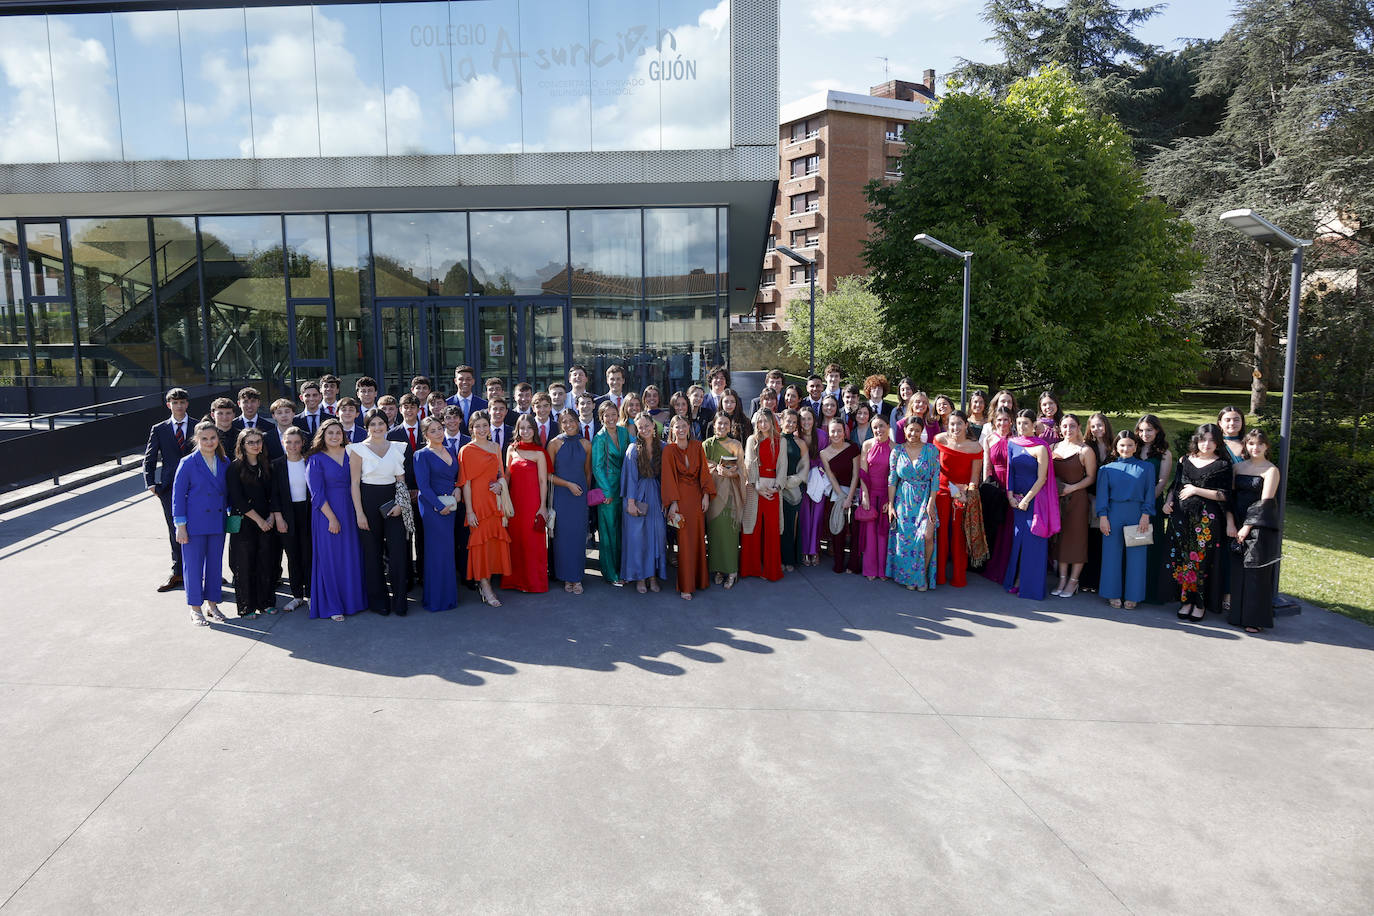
(815, 393)
(169, 441)
(309, 420)
(775, 380)
(586, 416)
(249, 418)
(615, 385)
(502, 426)
(222, 415)
(464, 378)
(354, 431)
(408, 431)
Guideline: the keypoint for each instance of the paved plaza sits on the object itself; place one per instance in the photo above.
(819, 745)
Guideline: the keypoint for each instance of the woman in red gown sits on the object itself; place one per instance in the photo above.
(961, 469)
(528, 471)
(760, 550)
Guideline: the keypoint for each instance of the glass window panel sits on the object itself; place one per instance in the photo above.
(350, 265)
(245, 291)
(680, 251)
(543, 344)
(112, 280)
(84, 87)
(28, 132)
(348, 67)
(307, 256)
(214, 64)
(625, 101)
(14, 322)
(311, 321)
(693, 69)
(47, 274)
(416, 51)
(496, 326)
(402, 337)
(281, 81)
(178, 309)
(152, 108)
(448, 342)
(520, 252)
(486, 76)
(607, 290)
(421, 254)
(555, 98)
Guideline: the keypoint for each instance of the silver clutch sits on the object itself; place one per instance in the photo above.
(1134, 537)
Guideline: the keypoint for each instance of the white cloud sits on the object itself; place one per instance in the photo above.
(880, 16)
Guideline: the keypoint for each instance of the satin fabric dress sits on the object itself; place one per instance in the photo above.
(1075, 512)
(686, 478)
(875, 531)
(842, 466)
(434, 478)
(1029, 557)
(1254, 562)
(810, 517)
(911, 484)
(791, 512)
(996, 568)
(723, 521)
(488, 540)
(569, 541)
(644, 551)
(950, 541)
(608, 457)
(529, 539)
(760, 551)
(336, 571)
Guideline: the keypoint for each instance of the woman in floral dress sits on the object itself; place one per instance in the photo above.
(912, 484)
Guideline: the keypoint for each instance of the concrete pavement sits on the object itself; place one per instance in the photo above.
(819, 745)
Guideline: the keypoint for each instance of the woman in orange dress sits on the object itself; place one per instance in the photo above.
(527, 469)
(760, 550)
(482, 479)
(687, 489)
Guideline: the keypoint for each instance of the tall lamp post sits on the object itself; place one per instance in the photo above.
(810, 264)
(1266, 233)
(950, 251)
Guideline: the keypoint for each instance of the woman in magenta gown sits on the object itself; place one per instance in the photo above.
(996, 512)
(874, 466)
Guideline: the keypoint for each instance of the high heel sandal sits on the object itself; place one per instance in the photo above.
(490, 599)
(1069, 592)
(198, 618)
(1059, 589)
(731, 579)
(1185, 611)
(1114, 603)
(213, 613)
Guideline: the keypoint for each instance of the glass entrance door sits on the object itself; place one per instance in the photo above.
(402, 345)
(522, 340)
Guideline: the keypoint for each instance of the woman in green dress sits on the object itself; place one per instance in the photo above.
(726, 510)
(798, 467)
(608, 454)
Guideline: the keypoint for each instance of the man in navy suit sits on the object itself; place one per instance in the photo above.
(718, 378)
(454, 440)
(815, 393)
(502, 426)
(615, 385)
(464, 378)
(249, 418)
(168, 442)
(586, 416)
(408, 431)
(774, 380)
(309, 420)
(354, 431)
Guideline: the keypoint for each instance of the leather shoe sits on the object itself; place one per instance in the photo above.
(400, 612)
(172, 583)
(385, 612)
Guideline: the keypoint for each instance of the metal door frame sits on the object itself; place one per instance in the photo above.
(26, 290)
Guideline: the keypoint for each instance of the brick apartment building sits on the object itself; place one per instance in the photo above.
(830, 145)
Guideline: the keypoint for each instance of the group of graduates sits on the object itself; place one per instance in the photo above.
(368, 497)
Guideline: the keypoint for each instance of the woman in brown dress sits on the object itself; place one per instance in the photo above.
(1075, 469)
(687, 489)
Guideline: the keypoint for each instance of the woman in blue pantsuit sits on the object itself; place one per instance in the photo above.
(1125, 496)
(200, 500)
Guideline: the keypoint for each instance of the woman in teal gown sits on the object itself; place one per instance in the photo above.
(608, 455)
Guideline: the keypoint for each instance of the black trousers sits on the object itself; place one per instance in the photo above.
(385, 537)
(296, 542)
(255, 557)
(166, 497)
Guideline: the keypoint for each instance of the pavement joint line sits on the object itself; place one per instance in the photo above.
(973, 750)
(123, 779)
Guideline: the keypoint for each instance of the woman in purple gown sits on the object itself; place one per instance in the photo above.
(336, 572)
(874, 466)
(996, 512)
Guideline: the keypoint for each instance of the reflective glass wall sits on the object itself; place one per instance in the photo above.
(132, 302)
(366, 79)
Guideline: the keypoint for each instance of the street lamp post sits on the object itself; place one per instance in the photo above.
(950, 251)
(810, 264)
(1266, 233)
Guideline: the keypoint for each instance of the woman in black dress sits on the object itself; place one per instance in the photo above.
(1196, 504)
(1252, 522)
(253, 552)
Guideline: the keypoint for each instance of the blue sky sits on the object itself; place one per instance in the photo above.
(836, 44)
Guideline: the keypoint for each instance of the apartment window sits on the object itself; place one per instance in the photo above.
(894, 165)
(772, 243)
(804, 203)
(805, 130)
(768, 280)
(805, 165)
(805, 238)
(797, 275)
(896, 131)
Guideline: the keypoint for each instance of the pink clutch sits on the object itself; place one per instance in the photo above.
(865, 515)
(596, 496)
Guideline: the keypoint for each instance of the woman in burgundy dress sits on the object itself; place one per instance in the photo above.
(874, 465)
(840, 460)
(995, 515)
(527, 468)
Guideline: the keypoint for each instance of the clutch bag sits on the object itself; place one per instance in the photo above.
(1134, 537)
(386, 507)
(596, 496)
(865, 514)
(449, 501)
(233, 524)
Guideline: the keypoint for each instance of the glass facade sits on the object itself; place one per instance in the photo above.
(134, 302)
(365, 79)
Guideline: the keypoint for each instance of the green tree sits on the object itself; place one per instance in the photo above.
(1296, 144)
(849, 329)
(1075, 268)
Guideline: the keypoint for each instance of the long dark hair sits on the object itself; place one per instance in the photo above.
(1204, 431)
(650, 462)
(263, 469)
(1161, 444)
(1128, 434)
(317, 445)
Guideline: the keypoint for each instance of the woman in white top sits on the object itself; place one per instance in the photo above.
(378, 466)
(291, 513)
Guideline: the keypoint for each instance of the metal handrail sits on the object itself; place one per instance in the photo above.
(74, 410)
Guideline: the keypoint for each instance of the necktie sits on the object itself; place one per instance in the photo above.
(498, 436)
(181, 436)
(314, 421)
(410, 431)
(329, 409)
(586, 431)
(544, 436)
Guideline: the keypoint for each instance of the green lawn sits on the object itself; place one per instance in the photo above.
(1196, 406)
